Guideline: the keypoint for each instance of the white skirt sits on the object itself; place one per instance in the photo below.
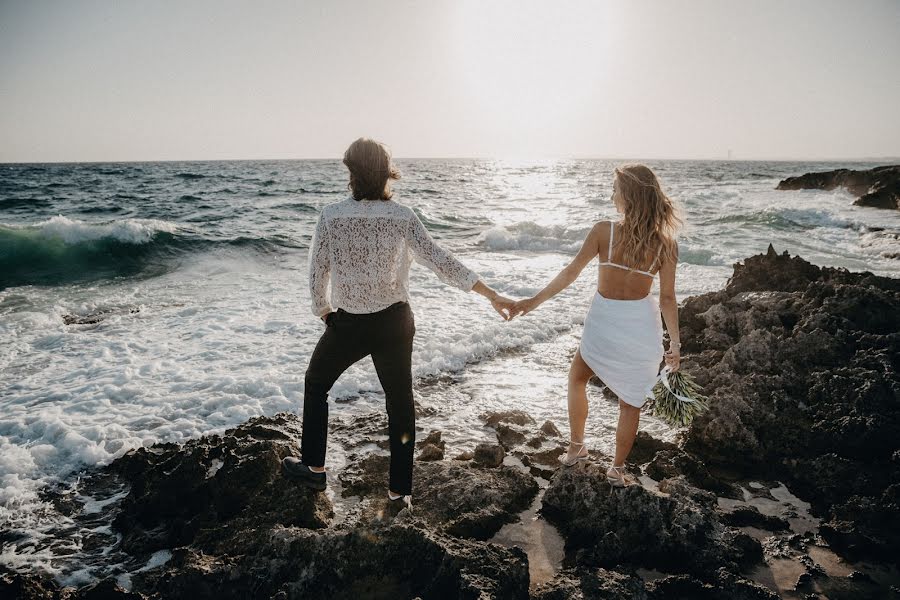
(622, 344)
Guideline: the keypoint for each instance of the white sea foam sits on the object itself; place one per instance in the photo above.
(74, 231)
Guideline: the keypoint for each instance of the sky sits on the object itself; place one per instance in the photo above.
(220, 79)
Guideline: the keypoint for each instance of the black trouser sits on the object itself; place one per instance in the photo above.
(388, 336)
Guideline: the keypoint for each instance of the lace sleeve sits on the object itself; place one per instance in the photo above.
(445, 265)
(319, 269)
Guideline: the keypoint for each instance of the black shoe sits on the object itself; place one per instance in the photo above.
(398, 504)
(295, 469)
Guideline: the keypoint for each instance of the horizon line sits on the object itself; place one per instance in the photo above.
(868, 159)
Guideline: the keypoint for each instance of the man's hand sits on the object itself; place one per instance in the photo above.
(503, 306)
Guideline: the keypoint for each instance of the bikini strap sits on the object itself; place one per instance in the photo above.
(612, 228)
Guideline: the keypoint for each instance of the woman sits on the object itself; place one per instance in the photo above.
(623, 340)
(364, 246)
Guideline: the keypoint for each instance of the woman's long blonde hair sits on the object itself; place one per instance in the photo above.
(650, 218)
(371, 170)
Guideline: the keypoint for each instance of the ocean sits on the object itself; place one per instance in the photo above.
(157, 302)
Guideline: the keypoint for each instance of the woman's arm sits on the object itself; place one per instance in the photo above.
(668, 305)
(589, 249)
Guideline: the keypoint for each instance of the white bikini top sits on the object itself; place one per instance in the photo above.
(608, 262)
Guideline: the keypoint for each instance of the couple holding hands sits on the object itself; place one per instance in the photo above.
(364, 246)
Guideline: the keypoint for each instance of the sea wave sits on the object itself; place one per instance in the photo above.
(533, 237)
(62, 250)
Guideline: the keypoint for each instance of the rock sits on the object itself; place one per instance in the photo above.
(724, 585)
(395, 561)
(516, 417)
(489, 455)
(749, 516)
(465, 455)
(509, 437)
(591, 584)
(550, 429)
(464, 500)
(878, 187)
(645, 448)
(535, 442)
(433, 439)
(431, 452)
(639, 527)
(35, 587)
(26, 586)
(215, 487)
(607, 584)
(671, 462)
(804, 387)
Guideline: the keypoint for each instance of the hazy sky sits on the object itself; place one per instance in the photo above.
(168, 80)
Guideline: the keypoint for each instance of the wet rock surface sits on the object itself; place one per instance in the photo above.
(801, 366)
(878, 187)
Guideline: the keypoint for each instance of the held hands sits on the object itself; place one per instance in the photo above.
(523, 307)
(503, 306)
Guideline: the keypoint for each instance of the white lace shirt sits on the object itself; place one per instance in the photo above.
(365, 249)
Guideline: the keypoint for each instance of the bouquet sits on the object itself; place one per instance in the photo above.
(677, 398)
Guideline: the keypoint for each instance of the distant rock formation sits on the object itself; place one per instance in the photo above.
(878, 187)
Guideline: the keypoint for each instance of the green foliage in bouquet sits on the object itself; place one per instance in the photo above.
(678, 403)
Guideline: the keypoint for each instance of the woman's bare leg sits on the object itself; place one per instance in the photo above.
(579, 374)
(629, 416)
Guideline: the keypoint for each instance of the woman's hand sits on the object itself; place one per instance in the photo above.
(524, 306)
(673, 358)
(501, 304)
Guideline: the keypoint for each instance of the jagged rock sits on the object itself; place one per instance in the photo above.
(215, 487)
(433, 439)
(878, 187)
(462, 499)
(550, 429)
(723, 586)
(489, 455)
(509, 437)
(743, 516)
(431, 452)
(396, 561)
(591, 584)
(803, 383)
(637, 526)
(26, 586)
(606, 584)
(16, 586)
(516, 417)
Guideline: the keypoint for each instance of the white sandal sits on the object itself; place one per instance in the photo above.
(568, 461)
(619, 480)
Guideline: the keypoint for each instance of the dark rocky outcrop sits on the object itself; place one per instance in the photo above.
(460, 498)
(214, 488)
(397, 560)
(801, 366)
(878, 187)
(643, 528)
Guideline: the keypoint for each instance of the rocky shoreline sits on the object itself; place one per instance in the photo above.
(878, 187)
(801, 366)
